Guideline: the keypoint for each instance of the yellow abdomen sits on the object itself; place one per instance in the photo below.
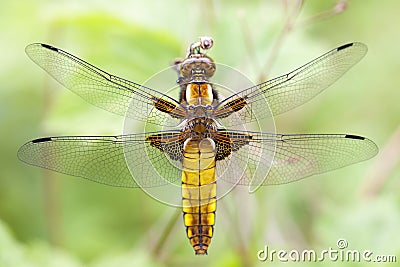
(199, 192)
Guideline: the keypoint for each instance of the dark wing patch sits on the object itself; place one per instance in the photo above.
(172, 145)
(227, 142)
(231, 106)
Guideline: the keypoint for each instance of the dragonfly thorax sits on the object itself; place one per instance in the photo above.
(199, 94)
(199, 111)
(200, 128)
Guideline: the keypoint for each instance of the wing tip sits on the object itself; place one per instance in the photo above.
(21, 154)
(49, 47)
(41, 140)
(34, 46)
(373, 148)
(344, 46)
(351, 136)
(361, 46)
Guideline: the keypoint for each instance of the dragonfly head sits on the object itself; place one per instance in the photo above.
(197, 66)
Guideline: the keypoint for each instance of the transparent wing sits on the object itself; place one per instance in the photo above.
(242, 160)
(104, 159)
(155, 158)
(296, 156)
(291, 90)
(104, 90)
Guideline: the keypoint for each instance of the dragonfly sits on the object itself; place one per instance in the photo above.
(205, 146)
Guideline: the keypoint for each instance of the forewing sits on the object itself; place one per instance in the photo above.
(105, 159)
(291, 90)
(104, 90)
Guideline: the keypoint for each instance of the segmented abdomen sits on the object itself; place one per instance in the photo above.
(199, 192)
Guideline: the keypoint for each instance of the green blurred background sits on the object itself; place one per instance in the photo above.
(49, 219)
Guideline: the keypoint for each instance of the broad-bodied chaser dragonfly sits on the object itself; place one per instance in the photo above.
(205, 148)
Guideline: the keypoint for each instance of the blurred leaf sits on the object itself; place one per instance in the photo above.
(37, 254)
(365, 225)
